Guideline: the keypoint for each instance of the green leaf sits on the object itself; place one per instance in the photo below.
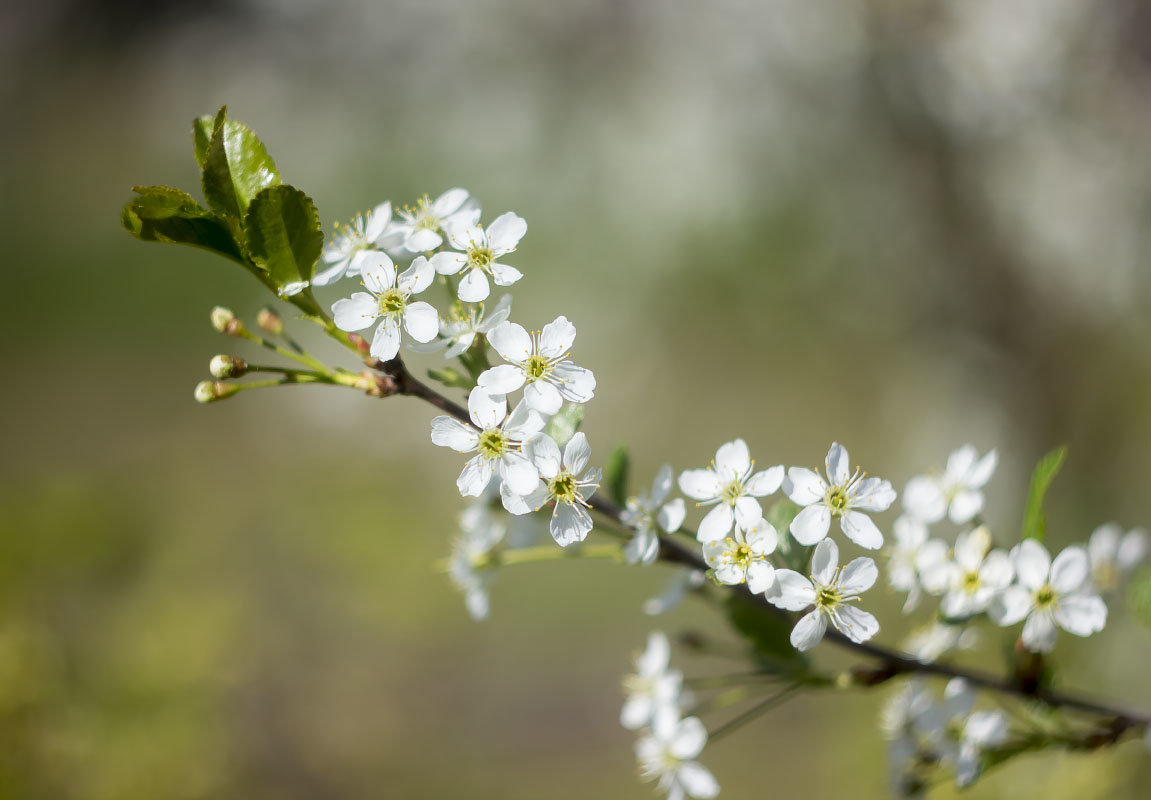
(565, 423)
(450, 377)
(236, 167)
(202, 128)
(1139, 597)
(284, 237)
(1034, 522)
(768, 632)
(615, 474)
(164, 214)
(780, 515)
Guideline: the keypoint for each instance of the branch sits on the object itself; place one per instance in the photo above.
(892, 662)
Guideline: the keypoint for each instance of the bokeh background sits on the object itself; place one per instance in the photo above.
(903, 226)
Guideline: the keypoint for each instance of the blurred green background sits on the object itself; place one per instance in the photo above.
(901, 226)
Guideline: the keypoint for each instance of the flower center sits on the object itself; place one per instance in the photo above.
(1045, 597)
(828, 597)
(732, 492)
(492, 443)
(741, 555)
(480, 258)
(563, 487)
(971, 582)
(536, 367)
(837, 499)
(392, 301)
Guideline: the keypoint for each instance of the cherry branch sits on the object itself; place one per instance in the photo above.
(397, 379)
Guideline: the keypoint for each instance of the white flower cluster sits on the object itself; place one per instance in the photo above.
(971, 577)
(738, 541)
(923, 730)
(671, 743)
(524, 455)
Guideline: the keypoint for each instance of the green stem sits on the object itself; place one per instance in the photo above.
(530, 555)
(760, 708)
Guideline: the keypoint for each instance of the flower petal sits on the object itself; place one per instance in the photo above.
(717, 524)
(860, 529)
(486, 410)
(543, 397)
(1039, 632)
(475, 477)
(804, 486)
(1032, 563)
(557, 338)
(570, 524)
(450, 432)
(760, 576)
(747, 511)
(793, 592)
(1081, 615)
(808, 631)
(811, 524)
(448, 263)
(377, 270)
(423, 240)
(964, 506)
(824, 562)
(671, 515)
(545, 454)
(698, 781)
(732, 460)
(505, 233)
(356, 312)
(474, 287)
(512, 342)
(764, 482)
(576, 383)
(421, 321)
(924, 499)
(577, 452)
(699, 484)
(1069, 570)
(504, 379)
(504, 275)
(1010, 606)
(386, 342)
(520, 474)
(858, 576)
(417, 277)
(856, 624)
(838, 465)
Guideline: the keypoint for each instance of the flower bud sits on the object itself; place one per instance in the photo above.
(227, 367)
(225, 321)
(361, 344)
(270, 322)
(211, 391)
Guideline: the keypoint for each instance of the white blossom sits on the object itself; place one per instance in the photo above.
(498, 437)
(653, 686)
(900, 723)
(1113, 553)
(1049, 594)
(480, 532)
(390, 302)
(971, 578)
(650, 513)
(831, 590)
(741, 557)
(957, 492)
(902, 566)
(927, 644)
(667, 755)
(731, 486)
(540, 364)
(352, 243)
(458, 333)
(562, 481)
(478, 254)
(842, 494)
(419, 228)
(958, 735)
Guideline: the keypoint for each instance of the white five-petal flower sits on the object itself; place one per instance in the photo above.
(731, 486)
(653, 686)
(479, 251)
(842, 494)
(667, 754)
(647, 514)
(1114, 553)
(903, 561)
(971, 578)
(831, 590)
(420, 228)
(390, 302)
(1048, 594)
(458, 333)
(498, 438)
(958, 492)
(540, 364)
(741, 557)
(351, 243)
(562, 481)
(958, 735)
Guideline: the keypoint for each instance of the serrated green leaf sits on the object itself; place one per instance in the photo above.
(236, 167)
(769, 634)
(1034, 521)
(565, 423)
(450, 377)
(284, 237)
(615, 474)
(164, 214)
